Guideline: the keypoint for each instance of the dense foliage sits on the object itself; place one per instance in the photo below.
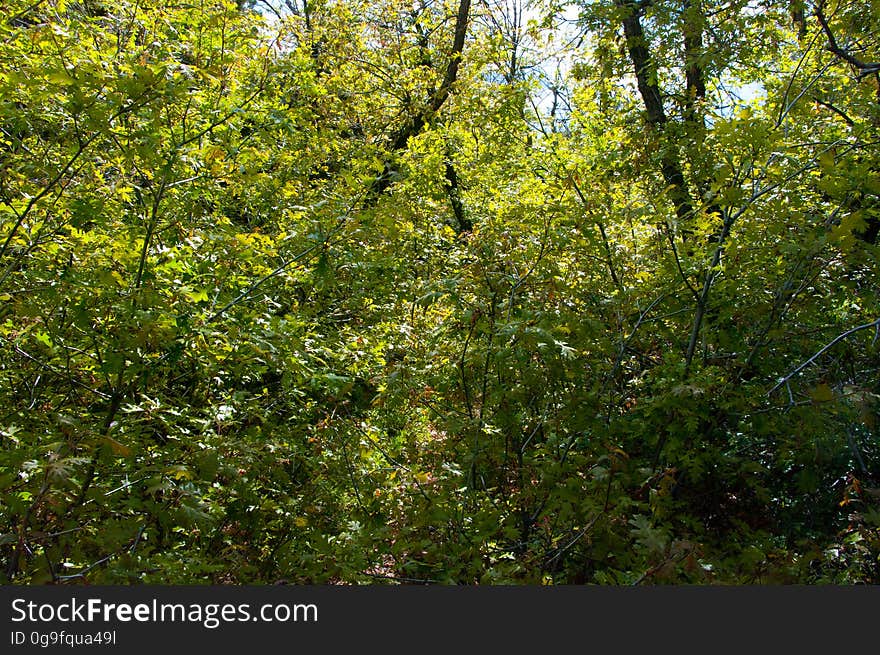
(468, 292)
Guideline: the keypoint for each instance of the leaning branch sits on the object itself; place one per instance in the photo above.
(865, 68)
(784, 380)
(415, 124)
(287, 263)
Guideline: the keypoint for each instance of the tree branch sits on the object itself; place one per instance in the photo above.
(415, 124)
(865, 68)
(784, 380)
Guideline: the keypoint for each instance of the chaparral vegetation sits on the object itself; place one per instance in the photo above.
(451, 291)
